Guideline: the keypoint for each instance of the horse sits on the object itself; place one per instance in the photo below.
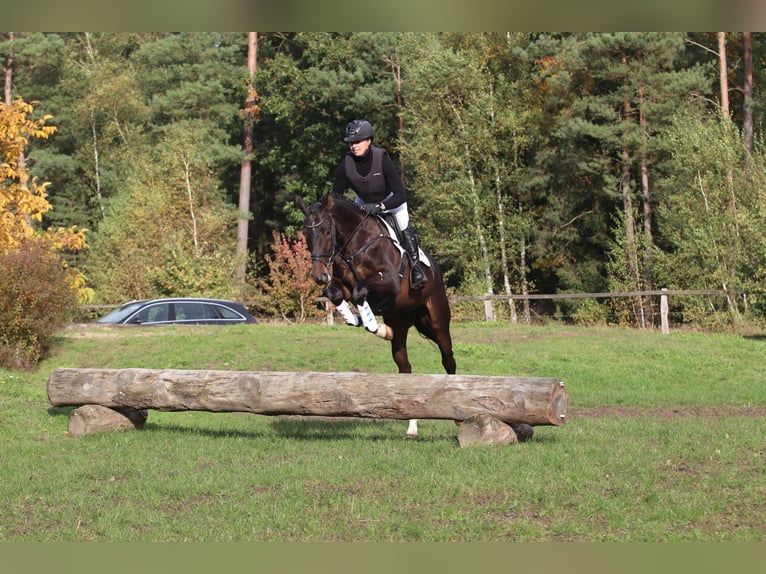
(357, 258)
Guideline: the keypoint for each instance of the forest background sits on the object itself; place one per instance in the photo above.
(535, 162)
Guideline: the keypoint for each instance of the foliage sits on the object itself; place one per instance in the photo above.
(37, 298)
(535, 162)
(173, 234)
(713, 214)
(38, 289)
(609, 95)
(289, 291)
(24, 200)
(468, 183)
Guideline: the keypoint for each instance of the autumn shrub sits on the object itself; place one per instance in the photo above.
(37, 298)
(288, 291)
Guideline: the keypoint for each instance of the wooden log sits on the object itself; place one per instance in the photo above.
(534, 401)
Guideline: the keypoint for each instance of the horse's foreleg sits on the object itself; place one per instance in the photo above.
(371, 323)
(359, 297)
(399, 354)
(348, 315)
(334, 292)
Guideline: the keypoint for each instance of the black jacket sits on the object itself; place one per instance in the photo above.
(379, 185)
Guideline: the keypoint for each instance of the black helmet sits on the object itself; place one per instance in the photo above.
(358, 130)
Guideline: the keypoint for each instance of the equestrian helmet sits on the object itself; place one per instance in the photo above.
(358, 130)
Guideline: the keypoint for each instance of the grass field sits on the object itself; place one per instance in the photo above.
(664, 442)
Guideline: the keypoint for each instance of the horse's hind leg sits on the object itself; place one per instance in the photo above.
(435, 324)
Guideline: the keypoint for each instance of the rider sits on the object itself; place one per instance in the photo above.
(369, 171)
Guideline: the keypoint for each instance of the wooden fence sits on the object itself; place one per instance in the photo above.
(663, 294)
(489, 312)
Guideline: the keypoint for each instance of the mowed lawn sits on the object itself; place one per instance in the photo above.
(664, 441)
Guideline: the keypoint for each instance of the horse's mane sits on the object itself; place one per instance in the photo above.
(345, 206)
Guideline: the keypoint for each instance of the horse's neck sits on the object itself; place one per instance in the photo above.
(349, 219)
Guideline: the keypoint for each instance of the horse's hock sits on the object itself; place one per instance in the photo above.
(484, 402)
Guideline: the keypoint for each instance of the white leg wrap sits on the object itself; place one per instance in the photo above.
(348, 315)
(412, 428)
(368, 318)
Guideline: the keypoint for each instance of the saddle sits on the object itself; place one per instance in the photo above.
(392, 228)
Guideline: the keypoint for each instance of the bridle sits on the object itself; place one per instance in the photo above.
(336, 253)
(330, 255)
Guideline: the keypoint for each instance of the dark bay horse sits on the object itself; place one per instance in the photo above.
(354, 256)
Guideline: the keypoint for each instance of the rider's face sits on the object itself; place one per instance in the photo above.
(360, 148)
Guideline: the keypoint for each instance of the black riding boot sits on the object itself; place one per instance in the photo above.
(417, 276)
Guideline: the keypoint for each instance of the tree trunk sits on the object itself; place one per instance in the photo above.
(631, 247)
(723, 74)
(647, 205)
(245, 177)
(500, 204)
(747, 127)
(488, 307)
(524, 282)
(533, 401)
(9, 71)
(396, 74)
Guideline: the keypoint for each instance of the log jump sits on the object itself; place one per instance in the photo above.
(530, 401)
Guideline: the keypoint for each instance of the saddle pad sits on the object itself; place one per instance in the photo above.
(392, 234)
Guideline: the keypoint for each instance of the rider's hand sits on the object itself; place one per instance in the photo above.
(373, 208)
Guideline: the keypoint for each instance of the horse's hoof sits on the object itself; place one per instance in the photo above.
(524, 432)
(412, 435)
(384, 332)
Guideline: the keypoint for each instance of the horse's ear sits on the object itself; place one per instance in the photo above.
(300, 204)
(329, 201)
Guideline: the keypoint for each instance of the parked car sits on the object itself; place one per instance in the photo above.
(180, 311)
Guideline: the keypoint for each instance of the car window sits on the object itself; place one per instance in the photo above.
(151, 314)
(220, 312)
(189, 311)
(120, 314)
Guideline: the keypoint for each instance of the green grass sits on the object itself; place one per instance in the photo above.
(195, 476)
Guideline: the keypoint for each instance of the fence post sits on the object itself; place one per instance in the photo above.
(489, 310)
(664, 311)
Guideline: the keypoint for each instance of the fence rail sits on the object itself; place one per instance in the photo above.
(663, 294)
(588, 295)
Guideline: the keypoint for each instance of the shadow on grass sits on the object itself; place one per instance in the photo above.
(758, 337)
(199, 431)
(331, 428)
(310, 428)
(307, 430)
(60, 411)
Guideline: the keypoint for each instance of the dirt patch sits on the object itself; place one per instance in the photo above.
(666, 412)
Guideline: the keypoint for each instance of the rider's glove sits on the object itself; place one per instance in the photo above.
(373, 208)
